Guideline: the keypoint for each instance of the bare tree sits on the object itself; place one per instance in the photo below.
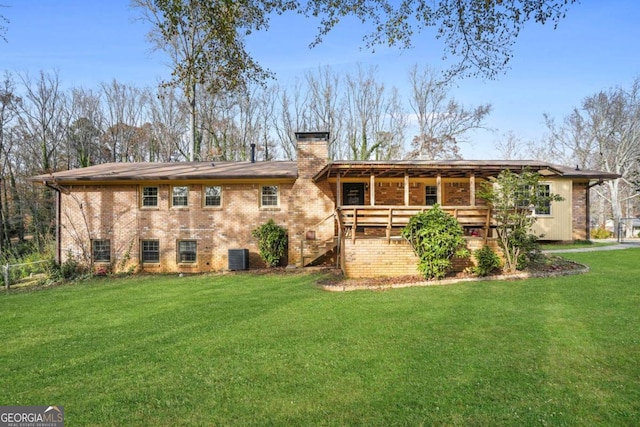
(204, 40)
(9, 196)
(218, 131)
(85, 129)
(292, 116)
(442, 122)
(169, 114)
(267, 144)
(367, 109)
(603, 134)
(125, 108)
(512, 147)
(43, 118)
(325, 108)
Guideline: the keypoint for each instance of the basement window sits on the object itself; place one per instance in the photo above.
(150, 251)
(187, 251)
(101, 250)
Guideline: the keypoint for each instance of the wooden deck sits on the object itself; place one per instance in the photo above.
(389, 217)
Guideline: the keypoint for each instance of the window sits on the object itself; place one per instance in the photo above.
(431, 195)
(179, 196)
(187, 251)
(149, 197)
(544, 208)
(150, 251)
(213, 196)
(542, 205)
(269, 196)
(101, 250)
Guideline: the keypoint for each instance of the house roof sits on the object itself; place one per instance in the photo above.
(452, 169)
(176, 171)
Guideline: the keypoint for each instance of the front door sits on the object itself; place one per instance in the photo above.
(352, 193)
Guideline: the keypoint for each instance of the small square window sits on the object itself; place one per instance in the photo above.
(150, 251)
(213, 196)
(149, 197)
(269, 196)
(525, 197)
(179, 196)
(101, 250)
(187, 251)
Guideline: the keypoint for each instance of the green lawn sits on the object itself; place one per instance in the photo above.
(578, 245)
(275, 350)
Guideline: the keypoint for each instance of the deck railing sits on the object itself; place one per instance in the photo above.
(389, 217)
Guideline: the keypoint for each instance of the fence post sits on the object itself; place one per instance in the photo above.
(6, 276)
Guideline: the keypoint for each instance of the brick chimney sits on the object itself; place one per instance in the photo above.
(312, 152)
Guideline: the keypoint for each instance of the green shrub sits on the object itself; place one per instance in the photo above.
(487, 261)
(272, 242)
(68, 270)
(601, 233)
(436, 237)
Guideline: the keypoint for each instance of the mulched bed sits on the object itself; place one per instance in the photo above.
(547, 266)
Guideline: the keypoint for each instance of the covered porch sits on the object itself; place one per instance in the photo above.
(374, 200)
(377, 199)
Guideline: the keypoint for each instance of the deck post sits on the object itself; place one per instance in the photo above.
(372, 189)
(406, 189)
(354, 226)
(338, 191)
(472, 189)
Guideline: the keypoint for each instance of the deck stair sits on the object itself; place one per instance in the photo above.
(316, 251)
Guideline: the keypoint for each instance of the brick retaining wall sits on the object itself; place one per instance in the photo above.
(375, 257)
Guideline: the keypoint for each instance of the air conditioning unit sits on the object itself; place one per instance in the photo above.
(238, 259)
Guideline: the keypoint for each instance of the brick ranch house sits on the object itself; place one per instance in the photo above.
(193, 216)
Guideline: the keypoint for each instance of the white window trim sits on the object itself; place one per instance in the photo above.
(204, 197)
(172, 196)
(142, 196)
(277, 205)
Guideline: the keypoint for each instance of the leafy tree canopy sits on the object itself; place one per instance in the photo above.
(478, 34)
(514, 198)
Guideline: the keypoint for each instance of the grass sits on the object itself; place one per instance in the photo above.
(577, 245)
(274, 350)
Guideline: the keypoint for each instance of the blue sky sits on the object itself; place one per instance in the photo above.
(594, 48)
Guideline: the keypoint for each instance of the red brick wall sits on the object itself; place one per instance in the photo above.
(579, 210)
(113, 212)
(311, 205)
